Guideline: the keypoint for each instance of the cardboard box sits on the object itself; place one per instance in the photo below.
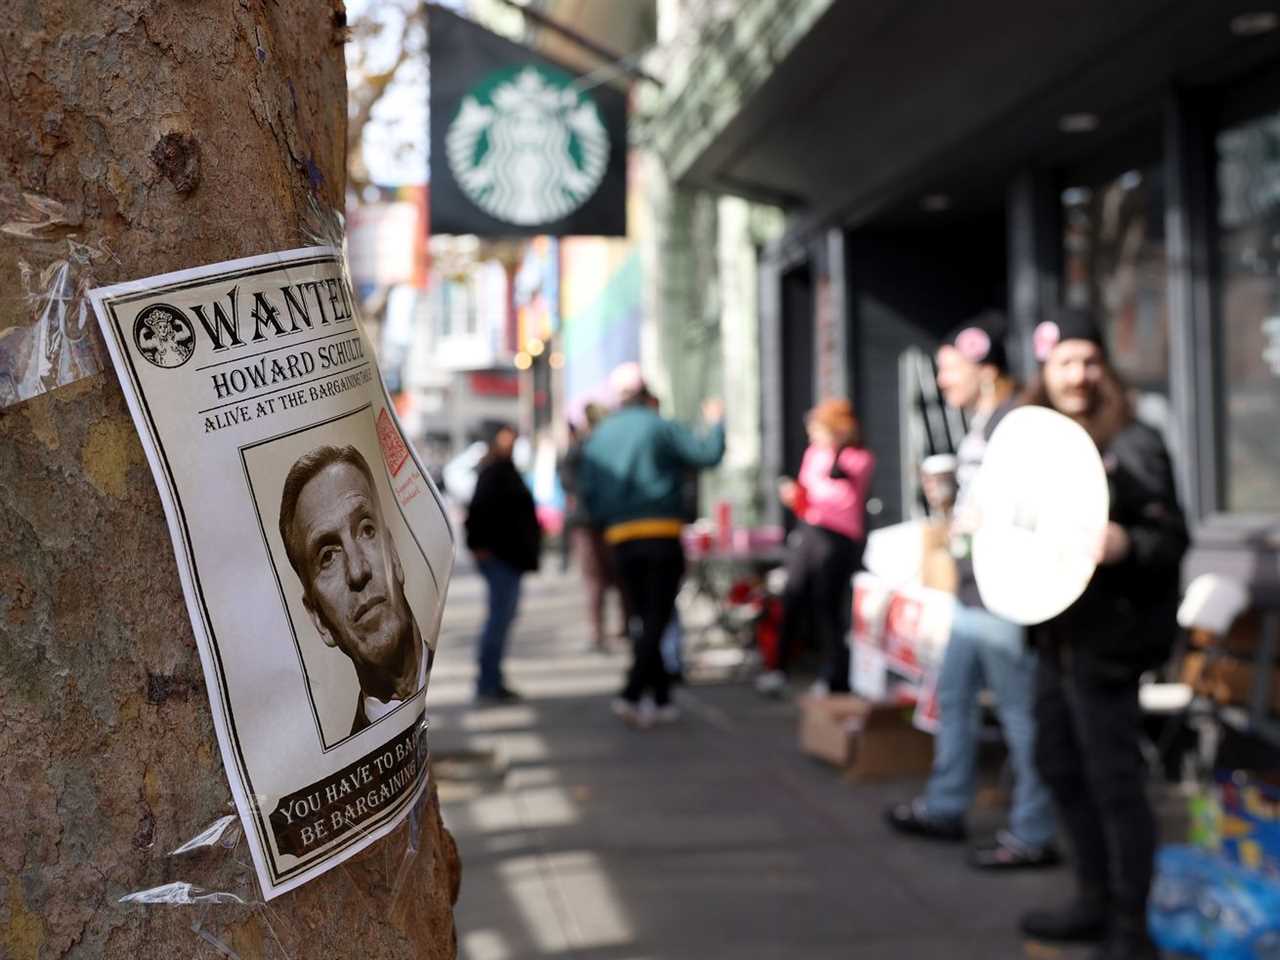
(868, 741)
(1224, 678)
(1241, 640)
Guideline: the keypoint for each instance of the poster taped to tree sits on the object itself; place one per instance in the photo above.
(313, 549)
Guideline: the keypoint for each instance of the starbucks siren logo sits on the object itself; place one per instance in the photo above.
(164, 336)
(527, 147)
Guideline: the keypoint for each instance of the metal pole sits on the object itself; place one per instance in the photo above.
(586, 43)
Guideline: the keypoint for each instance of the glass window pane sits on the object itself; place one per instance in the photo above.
(1113, 240)
(1249, 255)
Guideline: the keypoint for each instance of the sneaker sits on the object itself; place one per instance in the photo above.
(646, 714)
(771, 683)
(667, 713)
(1081, 921)
(1007, 852)
(638, 716)
(493, 698)
(912, 819)
(626, 711)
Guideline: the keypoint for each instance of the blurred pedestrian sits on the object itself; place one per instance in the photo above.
(983, 651)
(504, 537)
(829, 499)
(631, 477)
(586, 536)
(1092, 655)
(566, 470)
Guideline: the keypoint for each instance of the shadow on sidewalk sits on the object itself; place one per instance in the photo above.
(712, 837)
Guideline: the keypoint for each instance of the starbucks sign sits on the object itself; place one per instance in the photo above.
(527, 147)
(519, 145)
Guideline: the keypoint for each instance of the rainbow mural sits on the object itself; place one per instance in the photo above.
(602, 305)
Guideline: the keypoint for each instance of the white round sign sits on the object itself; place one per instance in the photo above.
(1041, 503)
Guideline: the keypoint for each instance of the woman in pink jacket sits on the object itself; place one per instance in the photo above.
(829, 498)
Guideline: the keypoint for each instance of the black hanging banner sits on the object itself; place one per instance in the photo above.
(520, 145)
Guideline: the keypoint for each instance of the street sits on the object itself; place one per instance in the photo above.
(950, 332)
(713, 837)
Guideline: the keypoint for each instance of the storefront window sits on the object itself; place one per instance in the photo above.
(1113, 240)
(1249, 257)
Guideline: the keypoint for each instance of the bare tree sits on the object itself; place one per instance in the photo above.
(141, 136)
(387, 40)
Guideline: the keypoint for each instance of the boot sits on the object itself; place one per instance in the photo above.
(1083, 920)
(1129, 940)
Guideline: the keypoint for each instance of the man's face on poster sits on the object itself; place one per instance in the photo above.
(354, 584)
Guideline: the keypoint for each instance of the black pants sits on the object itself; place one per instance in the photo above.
(820, 565)
(1087, 752)
(649, 573)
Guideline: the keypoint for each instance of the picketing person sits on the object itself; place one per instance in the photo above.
(1091, 656)
(983, 650)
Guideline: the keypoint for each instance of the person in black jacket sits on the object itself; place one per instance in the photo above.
(504, 536)
(1091, 656)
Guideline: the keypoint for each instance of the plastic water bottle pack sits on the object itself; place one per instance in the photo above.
(1203, 906)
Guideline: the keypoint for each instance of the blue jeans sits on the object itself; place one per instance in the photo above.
(504, 596)
(673, 646)
(987, 651)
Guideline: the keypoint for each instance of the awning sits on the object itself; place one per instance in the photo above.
(844, 108)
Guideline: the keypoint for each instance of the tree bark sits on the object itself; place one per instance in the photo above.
(156, 135)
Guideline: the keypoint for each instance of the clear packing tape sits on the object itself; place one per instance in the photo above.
(209, 874)
(216, 883)
(60, 343)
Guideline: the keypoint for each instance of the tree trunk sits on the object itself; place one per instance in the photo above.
(142, 136)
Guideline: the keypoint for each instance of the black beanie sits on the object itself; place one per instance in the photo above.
(981, 340)
(1066, 323)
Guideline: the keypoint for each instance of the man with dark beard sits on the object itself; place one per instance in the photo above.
(1091, 656)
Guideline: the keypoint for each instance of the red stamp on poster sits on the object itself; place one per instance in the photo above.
(394, 450)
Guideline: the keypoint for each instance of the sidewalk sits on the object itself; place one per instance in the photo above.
(710, 838)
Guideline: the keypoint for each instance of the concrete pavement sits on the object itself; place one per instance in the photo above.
(710, 838)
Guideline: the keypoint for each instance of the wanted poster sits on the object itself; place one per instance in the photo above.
(314, 551)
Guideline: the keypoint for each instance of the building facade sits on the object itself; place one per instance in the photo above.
(936, 160)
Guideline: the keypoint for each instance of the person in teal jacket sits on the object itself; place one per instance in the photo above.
(631, 479)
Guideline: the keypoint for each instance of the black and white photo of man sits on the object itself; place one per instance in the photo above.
(338, 544)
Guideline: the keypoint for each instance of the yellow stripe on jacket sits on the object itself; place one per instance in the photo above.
(655, 529)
